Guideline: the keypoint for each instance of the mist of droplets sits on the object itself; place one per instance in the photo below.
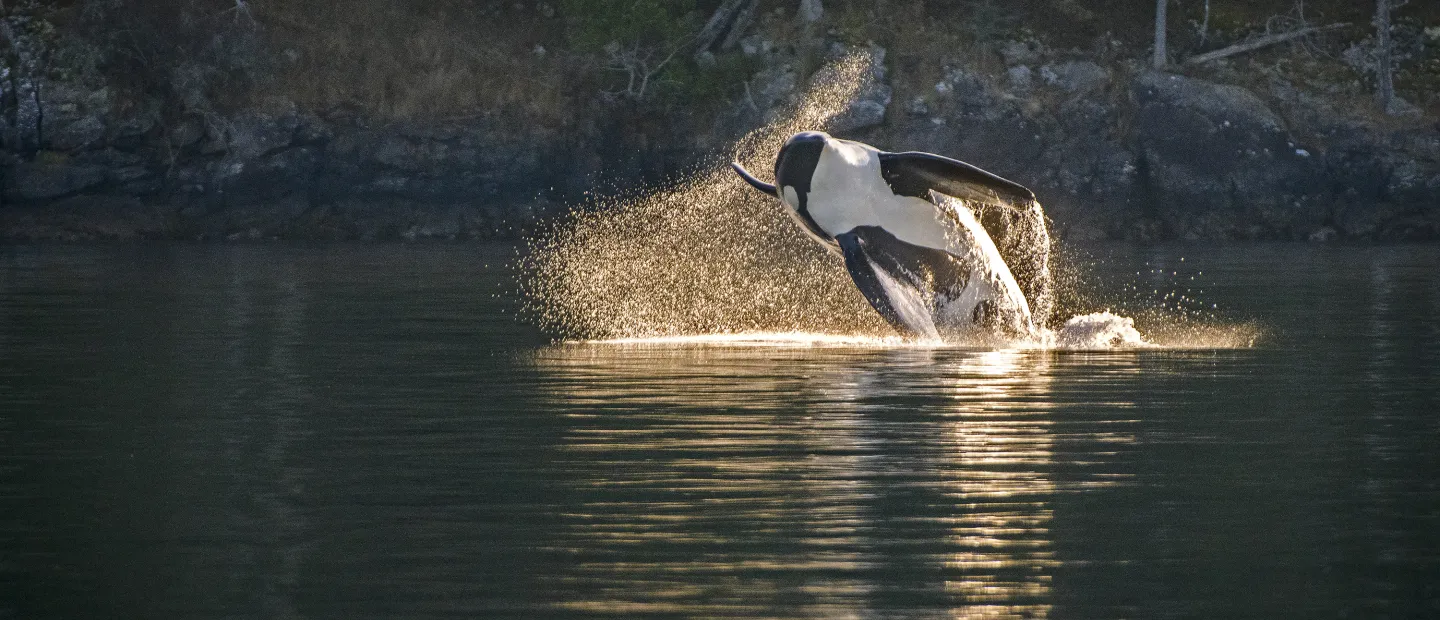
(707, 255)
(1167, 306)
(709, 259)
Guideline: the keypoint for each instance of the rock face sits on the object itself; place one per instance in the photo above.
(1219, 162)
(40, 180)
(1075, 76)
(74, 118)
(810, 11)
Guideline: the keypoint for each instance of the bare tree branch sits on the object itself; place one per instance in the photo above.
(1259, 42)
(638, 64)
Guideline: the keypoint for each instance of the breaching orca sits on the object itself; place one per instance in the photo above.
(913, 247)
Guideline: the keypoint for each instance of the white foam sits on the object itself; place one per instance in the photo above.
(1100, 330)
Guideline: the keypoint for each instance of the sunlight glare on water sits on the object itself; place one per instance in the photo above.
(1088, 332)
(991, 448)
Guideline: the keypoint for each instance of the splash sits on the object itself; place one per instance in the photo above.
(1100, 330)
(707, 261)
(704, 256)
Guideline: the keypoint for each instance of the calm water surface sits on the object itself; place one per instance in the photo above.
(367, 431)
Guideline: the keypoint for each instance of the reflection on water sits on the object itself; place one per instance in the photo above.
(367, 432)
(964, 441)
(1002, 436)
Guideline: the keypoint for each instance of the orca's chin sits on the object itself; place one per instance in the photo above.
(754, 182)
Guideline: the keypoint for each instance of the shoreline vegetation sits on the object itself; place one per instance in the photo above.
(401, 119)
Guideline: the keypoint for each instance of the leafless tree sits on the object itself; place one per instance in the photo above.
(640, 64)
(1385, 54)
(1160, 59)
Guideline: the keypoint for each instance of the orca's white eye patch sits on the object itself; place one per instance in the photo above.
(791, 198)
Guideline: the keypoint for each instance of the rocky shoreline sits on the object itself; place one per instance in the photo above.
(287, 175)
(1115, 151)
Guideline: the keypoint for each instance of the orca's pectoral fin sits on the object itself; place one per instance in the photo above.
(862, 271)
(754, 182)
(917, 174)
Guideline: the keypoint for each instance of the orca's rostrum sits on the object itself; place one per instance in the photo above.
(911, 242)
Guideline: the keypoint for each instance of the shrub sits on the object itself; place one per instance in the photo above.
(593, 24)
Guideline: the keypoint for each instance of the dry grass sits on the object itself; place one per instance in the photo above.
(438, 59)
(395, 60)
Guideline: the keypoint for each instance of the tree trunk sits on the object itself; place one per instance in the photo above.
(1384, 70)
(719, 23)
(1205, 24)
(1159, 61)
(740, 25)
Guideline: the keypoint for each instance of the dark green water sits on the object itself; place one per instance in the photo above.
(366, 431)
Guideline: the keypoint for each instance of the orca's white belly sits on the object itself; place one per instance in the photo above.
(849, 191)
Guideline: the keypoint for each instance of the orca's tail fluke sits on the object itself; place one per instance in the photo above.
(754, 182)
